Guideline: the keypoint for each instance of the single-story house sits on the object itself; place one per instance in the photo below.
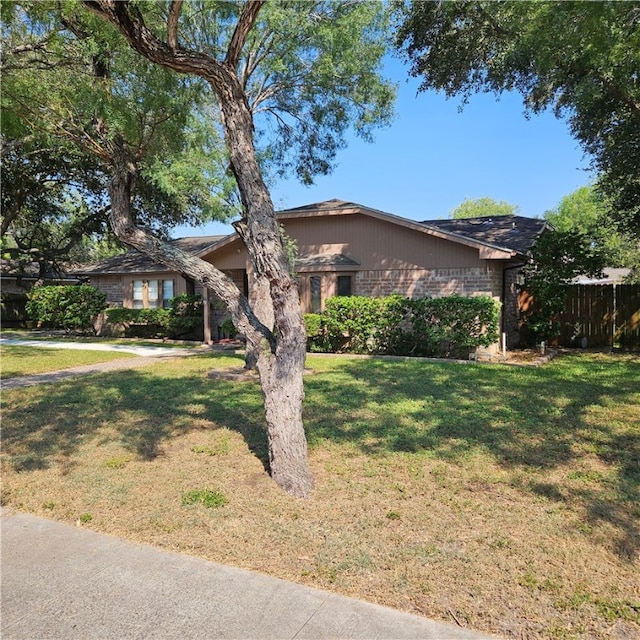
(349, 249)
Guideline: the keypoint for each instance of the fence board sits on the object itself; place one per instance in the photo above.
(627, 330)
(607, 315)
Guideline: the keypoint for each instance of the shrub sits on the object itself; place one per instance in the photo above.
(66, 306)
(182, 318)
(451, 325)
(185, 315)
(351, 323)
(317, 341)
(448, 326)
(228, 328)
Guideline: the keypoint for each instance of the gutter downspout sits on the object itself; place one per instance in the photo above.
(503, 296)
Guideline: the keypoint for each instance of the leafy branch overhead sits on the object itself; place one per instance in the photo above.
(579, 58)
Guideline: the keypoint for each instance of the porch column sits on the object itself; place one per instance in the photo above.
(206, 316)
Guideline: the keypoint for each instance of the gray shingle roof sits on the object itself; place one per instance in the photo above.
(326, 259)
(133, 261)
(516, 233)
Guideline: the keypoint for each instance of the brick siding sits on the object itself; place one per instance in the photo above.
(417, 283)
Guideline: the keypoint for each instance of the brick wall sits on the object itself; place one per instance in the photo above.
(417, 283)
(112, 287)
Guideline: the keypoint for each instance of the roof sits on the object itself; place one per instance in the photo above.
(14, 269)
(498, 237)
(512, 232)
(135, 262)
(611, 276)
(504, 234)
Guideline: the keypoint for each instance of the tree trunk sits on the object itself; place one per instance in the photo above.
(281, 352)
(281, 368)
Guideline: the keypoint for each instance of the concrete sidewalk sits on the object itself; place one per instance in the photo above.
(63, 582)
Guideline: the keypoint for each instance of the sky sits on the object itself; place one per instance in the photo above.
(434, 156)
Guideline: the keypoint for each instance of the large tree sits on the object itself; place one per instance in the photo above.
(316, 72)
(63, 99)
(580, 58)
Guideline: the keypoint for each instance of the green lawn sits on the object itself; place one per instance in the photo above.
(501, 498)
(17, 360)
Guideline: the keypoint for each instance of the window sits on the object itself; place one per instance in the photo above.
(152, 294)
(138, 294)
(167, 293)
(315, 286)
(344, 285)
(146, 293)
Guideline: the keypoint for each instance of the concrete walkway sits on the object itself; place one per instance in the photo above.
(143, 352)
(63, 582)
(146, 356)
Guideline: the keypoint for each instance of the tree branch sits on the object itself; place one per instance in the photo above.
(172, 23)
(240, 33)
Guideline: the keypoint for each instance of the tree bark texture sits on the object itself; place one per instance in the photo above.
(280, 348)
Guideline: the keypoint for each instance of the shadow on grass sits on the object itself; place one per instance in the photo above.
(145, 409)
(531, 419)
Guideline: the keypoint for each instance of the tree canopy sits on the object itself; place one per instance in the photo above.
(481, 207)
(582, 59)
(67, 96)
(586, 213)
(150, 77)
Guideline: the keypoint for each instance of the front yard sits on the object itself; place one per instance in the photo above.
(500, 498)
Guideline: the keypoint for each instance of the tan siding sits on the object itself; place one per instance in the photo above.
(377, 244)
(233, 256)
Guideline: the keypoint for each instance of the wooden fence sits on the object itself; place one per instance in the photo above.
(606, 315)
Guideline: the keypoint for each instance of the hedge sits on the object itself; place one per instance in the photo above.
(183, 318)
(65, 306)
(450, 326)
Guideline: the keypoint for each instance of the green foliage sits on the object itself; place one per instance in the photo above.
(183, 317)
(66, 306)
(211, 499)
(71, 87)
(579, 58)
(228, 328)
(557, 258)
(351, 323)
(588, 214)
(482, 207)
(447, 326)
(313, 324)
(320, 76)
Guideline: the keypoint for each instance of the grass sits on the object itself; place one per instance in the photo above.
(504, 499)
(16, 360)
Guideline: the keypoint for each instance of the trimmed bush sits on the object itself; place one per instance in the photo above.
(183, 318)
(445, 327)
(69, 307)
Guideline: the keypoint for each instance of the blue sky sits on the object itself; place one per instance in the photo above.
(434, 156)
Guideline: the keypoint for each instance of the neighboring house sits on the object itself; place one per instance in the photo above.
(610, 276)
(348, 249)
(16, 280)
